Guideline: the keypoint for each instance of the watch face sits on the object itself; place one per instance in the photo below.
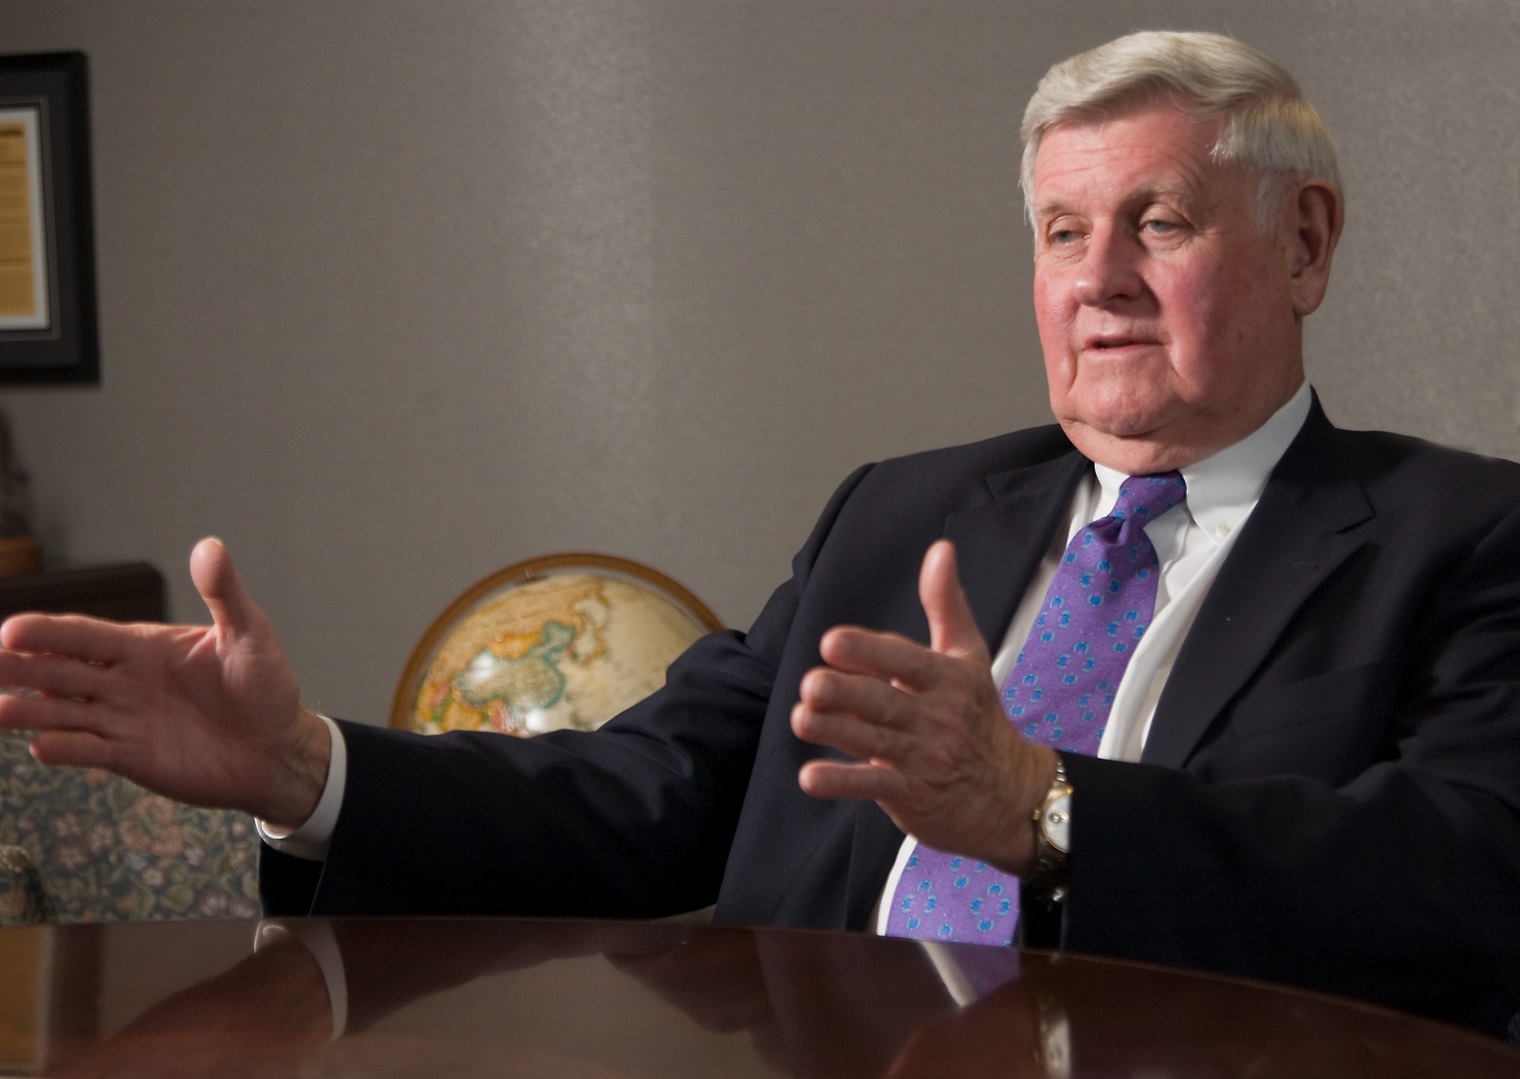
(1056, 823)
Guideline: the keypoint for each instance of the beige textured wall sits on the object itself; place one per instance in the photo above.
(393, 293)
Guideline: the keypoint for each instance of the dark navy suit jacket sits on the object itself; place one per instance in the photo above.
(1329, 794)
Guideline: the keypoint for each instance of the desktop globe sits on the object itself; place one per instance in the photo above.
(566, 641)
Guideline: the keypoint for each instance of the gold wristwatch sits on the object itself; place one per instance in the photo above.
(1052, 823)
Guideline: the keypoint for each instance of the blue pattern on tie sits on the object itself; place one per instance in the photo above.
(1058, 693)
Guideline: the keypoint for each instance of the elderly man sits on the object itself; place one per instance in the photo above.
(1263, 675)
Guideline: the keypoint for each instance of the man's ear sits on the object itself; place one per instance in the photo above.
(1314, 216)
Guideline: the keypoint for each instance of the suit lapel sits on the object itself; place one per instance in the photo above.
(998, 546)
(1301, 531)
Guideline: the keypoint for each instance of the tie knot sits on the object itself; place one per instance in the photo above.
(1144, 498)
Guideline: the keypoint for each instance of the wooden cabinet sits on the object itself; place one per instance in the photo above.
(130, 592)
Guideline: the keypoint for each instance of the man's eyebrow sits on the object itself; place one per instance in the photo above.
(1161, 191)
(1168, 191)
(1044, 211)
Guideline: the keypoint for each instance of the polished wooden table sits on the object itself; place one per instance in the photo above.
(445, 997)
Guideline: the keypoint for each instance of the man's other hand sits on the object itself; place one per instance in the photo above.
(209, 715)
(932, 744)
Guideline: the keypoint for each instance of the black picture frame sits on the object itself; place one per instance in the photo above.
(52, 89)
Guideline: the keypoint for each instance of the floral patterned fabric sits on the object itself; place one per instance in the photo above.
(107, 850)
(22, 900)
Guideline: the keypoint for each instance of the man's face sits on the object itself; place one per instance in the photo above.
(1167, 317)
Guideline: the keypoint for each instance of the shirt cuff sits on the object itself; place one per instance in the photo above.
(312, 838)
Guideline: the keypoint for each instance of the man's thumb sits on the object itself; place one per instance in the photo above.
(952, 627)
(216, 579)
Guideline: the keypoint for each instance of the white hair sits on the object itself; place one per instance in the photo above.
(1269, 131)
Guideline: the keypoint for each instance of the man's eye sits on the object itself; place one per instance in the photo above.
(1157, 226)
(1062, 237)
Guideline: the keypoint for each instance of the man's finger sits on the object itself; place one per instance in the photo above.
(827, 690)
(50, 674)
(880, 655)
(74, 635)
(19, 713)
(856, 737)
(952, 627)
(839, 779)
(216, 579)
(74, 749)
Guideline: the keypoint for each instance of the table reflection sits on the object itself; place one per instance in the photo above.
(429, 997)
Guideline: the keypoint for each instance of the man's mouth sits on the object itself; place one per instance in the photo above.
(1116, 342)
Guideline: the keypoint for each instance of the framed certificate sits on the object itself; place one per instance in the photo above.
(47, 260)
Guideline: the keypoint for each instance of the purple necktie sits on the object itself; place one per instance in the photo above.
(1058, 694)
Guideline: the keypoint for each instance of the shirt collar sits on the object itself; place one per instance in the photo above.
(1223, 488)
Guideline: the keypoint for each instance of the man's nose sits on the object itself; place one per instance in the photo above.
(1109, 270)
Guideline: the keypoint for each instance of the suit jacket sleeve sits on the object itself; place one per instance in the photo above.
(632, 820)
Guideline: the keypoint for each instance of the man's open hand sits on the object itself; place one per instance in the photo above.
(931, 743)
(204, 714)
